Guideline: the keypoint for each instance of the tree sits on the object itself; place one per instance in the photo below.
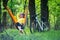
(0, 11)
(32, 15)
(44, 12)
(4, 13)
(57, 24)
(0, 18)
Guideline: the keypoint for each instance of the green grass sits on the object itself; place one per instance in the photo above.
(13, 34)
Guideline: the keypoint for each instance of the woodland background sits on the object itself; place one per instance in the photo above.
(50, 9)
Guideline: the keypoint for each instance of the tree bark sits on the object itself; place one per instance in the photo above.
(4, 14)
(44, 12)
(57, 25)
(32, 14)
(4, 19)
(0, 11)
(1, 27)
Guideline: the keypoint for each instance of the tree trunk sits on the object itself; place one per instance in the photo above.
(44, 13)
(57, 25)
(4, 19)
(0, 11)
(1, 27)
(4, 14)
(32, 14)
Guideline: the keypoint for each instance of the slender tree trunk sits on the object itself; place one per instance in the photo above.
(4, 14)
(0, 11)
(0, 19)
(4, 19)
(44, 12)
(32, 14)
(57, 25)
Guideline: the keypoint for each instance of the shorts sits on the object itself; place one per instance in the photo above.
(19, 26)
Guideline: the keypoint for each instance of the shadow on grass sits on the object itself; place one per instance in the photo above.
(6, 37)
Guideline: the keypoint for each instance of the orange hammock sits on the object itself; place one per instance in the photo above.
(13, 17)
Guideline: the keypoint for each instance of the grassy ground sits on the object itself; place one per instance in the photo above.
(13, 34)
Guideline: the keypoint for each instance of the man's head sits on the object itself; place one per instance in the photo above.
(22, 15)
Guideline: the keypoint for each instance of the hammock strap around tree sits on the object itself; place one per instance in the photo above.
(11, 15)
(9, 11)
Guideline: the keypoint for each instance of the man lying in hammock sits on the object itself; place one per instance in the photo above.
(21, 22)
(18, 23)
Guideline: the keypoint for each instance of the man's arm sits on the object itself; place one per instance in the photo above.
(26, 11)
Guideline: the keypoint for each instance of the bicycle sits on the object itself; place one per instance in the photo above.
(38, 25)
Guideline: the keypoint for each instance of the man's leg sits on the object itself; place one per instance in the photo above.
(19, 27)
(21, 30)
